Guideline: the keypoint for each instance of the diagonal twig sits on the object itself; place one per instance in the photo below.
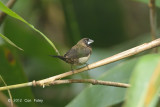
(119, 56)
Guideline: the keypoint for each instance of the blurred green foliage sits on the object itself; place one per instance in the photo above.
(95, 96)
(141, 82)
(9, 12)
(110, 23)
(12, 73)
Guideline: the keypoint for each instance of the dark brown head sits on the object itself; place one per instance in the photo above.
(85, 42)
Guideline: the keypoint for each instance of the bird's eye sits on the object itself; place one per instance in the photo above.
(86, 41)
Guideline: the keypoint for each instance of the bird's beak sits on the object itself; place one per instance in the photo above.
(90, 41)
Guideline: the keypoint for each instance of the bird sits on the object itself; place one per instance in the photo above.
(78, 54)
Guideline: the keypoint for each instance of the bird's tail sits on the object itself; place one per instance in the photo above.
(60, 57)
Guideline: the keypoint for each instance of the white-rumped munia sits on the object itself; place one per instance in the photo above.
(79, 53)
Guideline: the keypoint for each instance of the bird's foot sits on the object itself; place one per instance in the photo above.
(72, 71)
(87, 66)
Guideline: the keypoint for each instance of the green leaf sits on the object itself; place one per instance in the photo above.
(144, 82)
(104, 96)
(36, 55)
(12, 73)
(10, 42)
(153, 89)
(16, 16)
(147, 1)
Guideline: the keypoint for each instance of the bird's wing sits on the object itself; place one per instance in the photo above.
(77, 52)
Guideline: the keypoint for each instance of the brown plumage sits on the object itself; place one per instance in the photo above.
(79, 53)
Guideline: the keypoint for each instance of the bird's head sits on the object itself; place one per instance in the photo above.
(85, 42)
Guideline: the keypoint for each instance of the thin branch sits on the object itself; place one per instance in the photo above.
(122, 55)
(153, 18)
(9, 4)
(16, 86)
(153, 22)
(92, 81)
(57, 82)
(10, 96)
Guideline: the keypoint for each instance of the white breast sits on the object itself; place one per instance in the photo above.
(83, 59)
